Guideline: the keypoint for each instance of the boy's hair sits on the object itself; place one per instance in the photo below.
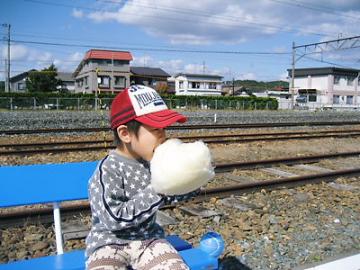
(133, 126)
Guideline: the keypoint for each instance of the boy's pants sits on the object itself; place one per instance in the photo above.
(155, 254)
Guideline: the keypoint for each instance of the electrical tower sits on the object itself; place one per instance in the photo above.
(320, 47)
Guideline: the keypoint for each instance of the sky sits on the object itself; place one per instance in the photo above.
(237, 39)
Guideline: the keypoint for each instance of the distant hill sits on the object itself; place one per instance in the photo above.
(255, 85)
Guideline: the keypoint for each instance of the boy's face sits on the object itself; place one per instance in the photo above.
(144, 145)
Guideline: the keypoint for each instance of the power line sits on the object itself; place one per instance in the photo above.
(326, 62)
(231, 19)
(148, 49)
(313, 7)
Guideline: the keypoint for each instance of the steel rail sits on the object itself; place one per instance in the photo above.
(107, 145)
(185, 127)
(109, 141)
(17, 216)
(269, 184)
(287, 161)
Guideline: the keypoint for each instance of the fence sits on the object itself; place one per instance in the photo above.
(84, 103)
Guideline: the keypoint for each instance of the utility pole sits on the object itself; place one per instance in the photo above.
(233, 87)
(98, 81)
(7, 62)
(293, 76)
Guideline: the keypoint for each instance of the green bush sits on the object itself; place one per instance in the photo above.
(86, 101)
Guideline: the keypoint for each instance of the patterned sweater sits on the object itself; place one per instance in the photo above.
(123, 203)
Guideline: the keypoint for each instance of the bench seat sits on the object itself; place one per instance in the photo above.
(195, 258)
(73, 260)
(55, 183)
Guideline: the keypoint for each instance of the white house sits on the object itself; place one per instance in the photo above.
(197, 84)
(326, 87)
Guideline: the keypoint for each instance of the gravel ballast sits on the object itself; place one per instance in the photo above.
(272, 229)
(92, 119)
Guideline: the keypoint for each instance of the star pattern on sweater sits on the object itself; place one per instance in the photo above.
(122, 203)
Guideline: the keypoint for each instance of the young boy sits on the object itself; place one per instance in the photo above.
(123, 203)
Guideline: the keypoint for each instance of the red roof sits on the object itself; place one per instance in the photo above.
(104, 54)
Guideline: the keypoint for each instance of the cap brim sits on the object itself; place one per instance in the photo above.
(161, 119)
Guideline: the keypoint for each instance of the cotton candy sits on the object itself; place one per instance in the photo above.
(178, 168)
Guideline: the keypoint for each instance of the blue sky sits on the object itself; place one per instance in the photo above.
(239, 31)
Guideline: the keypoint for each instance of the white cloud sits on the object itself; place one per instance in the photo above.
(76, 57)
(234, 21)
(284, 76)
(25, 58)
(246, 76)
(17, 52)
(143, 61)
(77, 13)
(69, 63)
(172, 66)
(194, 68)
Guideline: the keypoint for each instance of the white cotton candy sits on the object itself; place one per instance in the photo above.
(178, 168)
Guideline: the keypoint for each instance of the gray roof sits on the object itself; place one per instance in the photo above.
(65, 76)
(199, 75)
(21, 76)
(147, 71)
(301, 72)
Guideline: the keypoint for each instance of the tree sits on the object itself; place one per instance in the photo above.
(43, 81)
(2, 86)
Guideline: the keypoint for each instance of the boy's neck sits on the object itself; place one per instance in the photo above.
(124, 151)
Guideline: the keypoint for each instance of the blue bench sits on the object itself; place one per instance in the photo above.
(55, 183)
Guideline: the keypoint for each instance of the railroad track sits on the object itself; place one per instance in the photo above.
(95, 145)
(184, 127)
(44, 215)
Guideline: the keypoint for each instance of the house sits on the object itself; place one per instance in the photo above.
(153, 77)
(197, 84)
(18, 82)
(282, 95)
(103, 70)
(67, 81)
(328, 87)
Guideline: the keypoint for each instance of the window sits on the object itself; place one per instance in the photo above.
(120, 81)
(312, 97)
(120, 62)
(336, 99)
(212, 85)
(79, 82)
(350, 80)
(195, 85)
(349, 100)
(102, 62)
(86, 80)
(337, 79)
(181, 85)
(21, 86)
(104, 81)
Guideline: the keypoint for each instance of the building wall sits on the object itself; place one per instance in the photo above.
(18, 86)
(197, 86)
(331, 90)
(87, 78)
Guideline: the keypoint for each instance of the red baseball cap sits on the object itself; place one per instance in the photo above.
(143, 104)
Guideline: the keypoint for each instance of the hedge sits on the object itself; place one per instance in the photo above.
(173, 101)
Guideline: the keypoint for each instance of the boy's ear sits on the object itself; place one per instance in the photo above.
(124, 134)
